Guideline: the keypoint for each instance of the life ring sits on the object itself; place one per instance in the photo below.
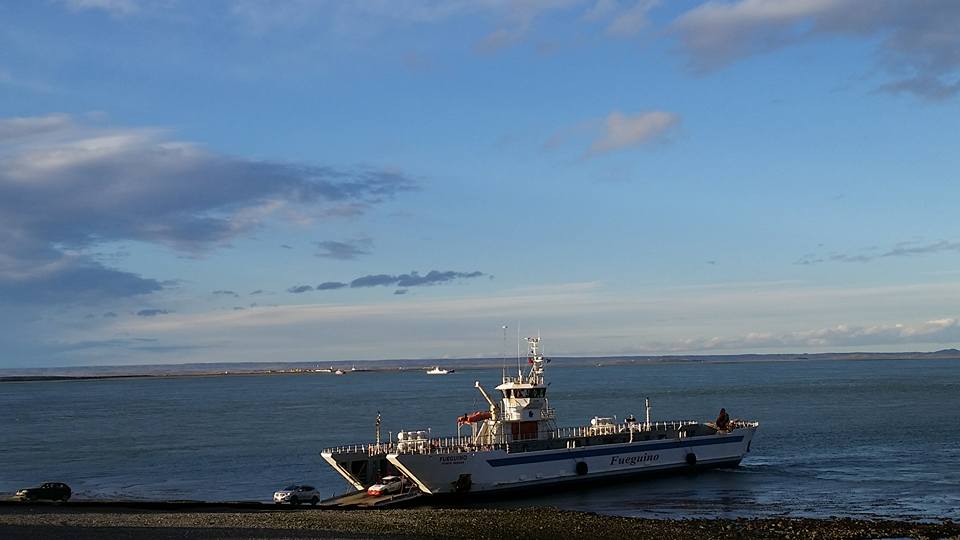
(582, 468)
(691, 459)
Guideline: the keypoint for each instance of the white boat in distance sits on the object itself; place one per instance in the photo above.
(517, 444)
(437, 371)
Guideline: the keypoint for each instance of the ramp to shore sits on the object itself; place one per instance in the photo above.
(360, 500)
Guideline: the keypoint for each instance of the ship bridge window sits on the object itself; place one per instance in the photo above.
(525, 393)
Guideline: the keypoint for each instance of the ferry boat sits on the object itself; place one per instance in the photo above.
(437, 371)
(517, 443)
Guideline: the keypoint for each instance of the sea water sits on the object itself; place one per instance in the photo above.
(837, 438)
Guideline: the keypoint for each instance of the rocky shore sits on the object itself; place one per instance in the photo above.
(34, 521)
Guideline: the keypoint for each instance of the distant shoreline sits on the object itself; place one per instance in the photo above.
(165, 371)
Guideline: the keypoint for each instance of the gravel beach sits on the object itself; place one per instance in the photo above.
(36, 521)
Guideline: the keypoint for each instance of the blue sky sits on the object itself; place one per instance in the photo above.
(311, 180)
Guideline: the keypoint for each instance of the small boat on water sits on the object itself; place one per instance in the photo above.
(517, 443)
(437, 371)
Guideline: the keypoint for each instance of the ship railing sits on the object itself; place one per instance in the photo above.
(437, 445)
(371, 449)
(451, 445)
(348, 448)
(621, 427)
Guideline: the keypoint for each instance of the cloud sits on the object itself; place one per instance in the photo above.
(225, 293)
(298, 289)
(374, 280)
(114, 7)
(579, 319)
(902, 249)
(632, 20)
(616, 131)
(622, 131)
(66, 187)
(917, 42)
(24, 127)
(152, 312)
(400, 291)
(256, 292)
(433, 277)
(946, 330)
(348, 250)
(331, 285)
(413, 279)
(44, 275)
(109, 315)
(600, 10)
(512, 20)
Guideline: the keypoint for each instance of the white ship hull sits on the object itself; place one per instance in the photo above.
(474, 472)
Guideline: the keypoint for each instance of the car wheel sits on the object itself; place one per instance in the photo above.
(295, 501)
(314, 500)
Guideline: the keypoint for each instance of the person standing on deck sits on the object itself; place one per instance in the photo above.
(723, 421)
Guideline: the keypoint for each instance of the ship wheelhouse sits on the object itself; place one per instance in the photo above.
(524, 410)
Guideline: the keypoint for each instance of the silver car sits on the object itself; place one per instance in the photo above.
(297, 494)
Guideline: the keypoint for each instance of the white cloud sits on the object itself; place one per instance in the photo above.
(113, 7)
(632, 20)
(841, 336)
(622, 131)
(23, 127)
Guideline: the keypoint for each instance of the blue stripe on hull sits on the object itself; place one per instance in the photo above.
(607, 451)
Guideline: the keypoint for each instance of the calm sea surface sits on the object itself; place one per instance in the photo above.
(865, 438)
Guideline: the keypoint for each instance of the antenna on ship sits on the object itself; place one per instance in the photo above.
(519, 369)
(503, 352)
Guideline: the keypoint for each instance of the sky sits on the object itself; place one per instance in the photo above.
(242, 180)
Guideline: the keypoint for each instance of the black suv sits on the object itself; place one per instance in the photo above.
(54, 491)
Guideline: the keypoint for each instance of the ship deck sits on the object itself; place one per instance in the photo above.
(566, 437)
